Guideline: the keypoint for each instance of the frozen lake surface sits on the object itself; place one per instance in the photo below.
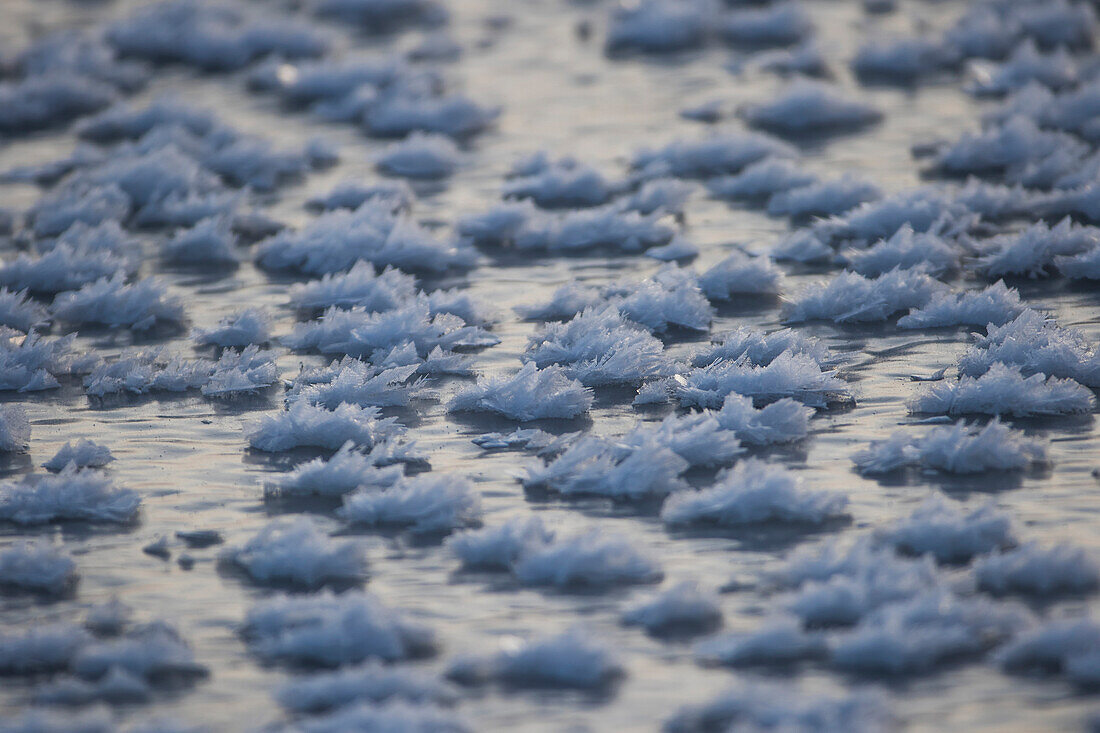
(598, 219)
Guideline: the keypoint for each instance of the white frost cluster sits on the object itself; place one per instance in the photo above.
(951, 532)
(329, 630)
(717, 155)
(345, 471)
(529, 394)
(421, 155)
(791, 374)
(637, 467)
(1004, 390)
(850, 297)
(536, 556)
(573, 659)
(777, 706)
(958, 448)
(250, 326)
(83, 454)
(15, 429)
(375, 232)
(906, 250)
(659, 26)
(145, 371)
(72, 494)
(682, 608)
(558, 183)
(762, 348)
(672, 296)
(1037, 249)
(782, 421)
(739, 274)
(36, 566)
(426, 503)
(1035, 344)
(612, 226)
(298, 552)
(599, 346)
(830, 197)
(810, 107)
(994, 305)
(359, 333)
(112, 302)
(306, 425)
(371, 682)
(361, 286)
(355, 382)
(240, 373)
(1037, 570)
(753, 492)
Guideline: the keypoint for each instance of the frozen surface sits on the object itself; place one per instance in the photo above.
(458, 365)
